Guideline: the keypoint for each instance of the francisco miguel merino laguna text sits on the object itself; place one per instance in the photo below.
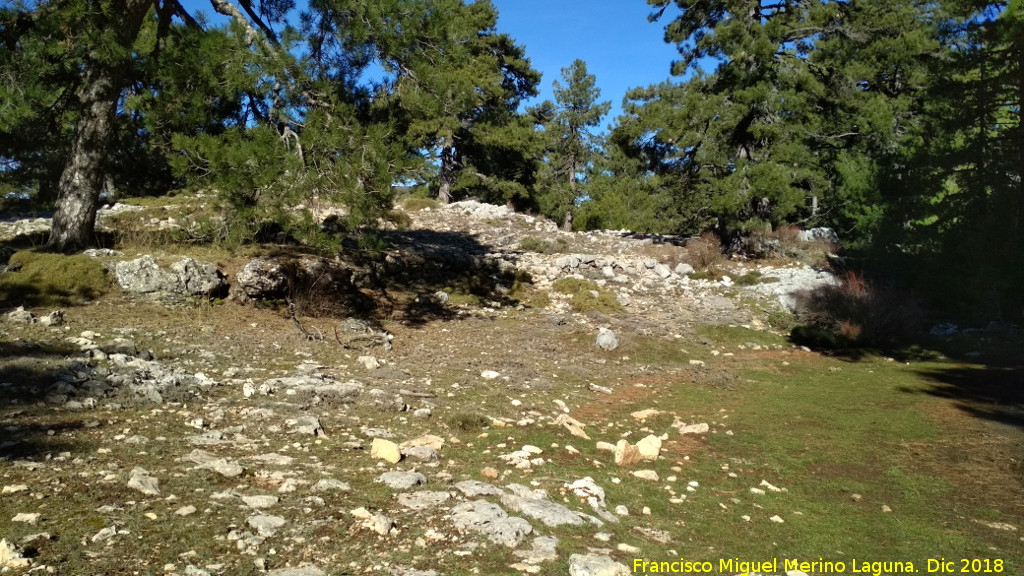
(737, 566)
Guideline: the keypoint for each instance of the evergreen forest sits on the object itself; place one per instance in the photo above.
(897, 123)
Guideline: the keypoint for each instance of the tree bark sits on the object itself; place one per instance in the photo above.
(82, 180)
(444, 191)
(567, 223)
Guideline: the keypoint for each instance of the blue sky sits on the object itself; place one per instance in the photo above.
(620, 47)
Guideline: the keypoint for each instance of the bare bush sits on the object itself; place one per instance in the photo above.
(704, 252)
(857, 312)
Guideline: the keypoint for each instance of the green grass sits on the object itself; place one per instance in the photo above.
(542, 246)
(417, 203)
(53, 280)
(587, 296)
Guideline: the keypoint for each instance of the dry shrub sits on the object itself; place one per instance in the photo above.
(856, 313)
(704, 252)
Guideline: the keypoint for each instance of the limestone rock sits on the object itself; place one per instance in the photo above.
(596, 565)
(490, 520)
(474, 488)
(550, 513)
(306, 425)
(649, 447)
(262, 279)
(265, 525)
(646, 475)
(142, 481)
(423, 500)
(386, 401)
(684, 269)
(223, 466)
(428, 440)
(626, 454)
(385, 450)
(142, 276)
(606, 339)
(197, 278)
(260, 501)
(701, 428)
(330, 485)
(304, 571)
(401, 480)
(21, 316)
(544, 548)
(575, 427)
(368, 362)
(421, 453)
(27, 518)
(10, 556)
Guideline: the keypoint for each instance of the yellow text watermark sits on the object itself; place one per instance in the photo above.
(819, 566)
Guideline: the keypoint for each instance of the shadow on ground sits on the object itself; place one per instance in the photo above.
(993, 393)
(27, 370)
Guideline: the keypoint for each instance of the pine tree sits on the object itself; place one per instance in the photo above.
(96, 47)
(460, 83)
(802, 99)
(572, 147)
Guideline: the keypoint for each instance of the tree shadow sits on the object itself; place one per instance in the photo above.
(416, 277)
(993, 393)
(27, 371)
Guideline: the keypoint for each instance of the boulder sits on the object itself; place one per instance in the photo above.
(606, 339)
(273, 278)
(198, 278)
(649, 447)
(401, 480)
(21, 316)
(143, 276)
(626, 454)
(826, 235)
(263, 279)
(385, 450)
(186, 277)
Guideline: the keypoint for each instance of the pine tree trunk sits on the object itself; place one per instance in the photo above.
(567, 223)
(444, 192)
(82, 180)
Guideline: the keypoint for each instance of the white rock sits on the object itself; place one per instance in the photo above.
(650, 447)
(701, 428)
(646, 475)
(27, 518)
(489, 374)
(368, 362)
(142, 481)
(260, 501)
(265, 525)
(596, 565)
(606, 339)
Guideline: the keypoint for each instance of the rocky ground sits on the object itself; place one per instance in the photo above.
(452, 428)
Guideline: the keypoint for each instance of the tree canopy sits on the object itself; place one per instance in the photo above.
(896, 122)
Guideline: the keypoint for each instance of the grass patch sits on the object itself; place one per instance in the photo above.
(541, 246)
(468, 421)
(587, 296)
(53, 280)
(417, 203)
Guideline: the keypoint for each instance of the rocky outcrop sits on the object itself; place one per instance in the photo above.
(186, 277)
